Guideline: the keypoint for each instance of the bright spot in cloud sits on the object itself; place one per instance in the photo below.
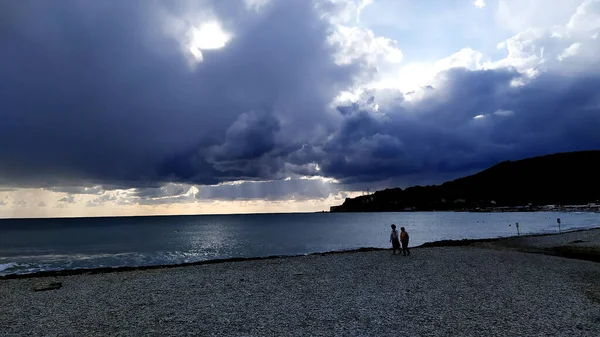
(207, 36)
(192, 191)
(479, 3)
(479, 117)
(413, 78)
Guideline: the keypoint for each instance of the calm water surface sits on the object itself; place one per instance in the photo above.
(50, 244)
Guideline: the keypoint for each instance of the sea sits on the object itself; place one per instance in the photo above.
(34, 245)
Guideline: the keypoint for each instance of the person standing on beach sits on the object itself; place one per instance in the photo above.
(404, 240)
(394, 239)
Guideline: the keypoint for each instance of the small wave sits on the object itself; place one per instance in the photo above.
(56, 262)
(6, 266)
(18, 268)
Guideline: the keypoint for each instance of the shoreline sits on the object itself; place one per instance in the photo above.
(490, 243)
(467, 242)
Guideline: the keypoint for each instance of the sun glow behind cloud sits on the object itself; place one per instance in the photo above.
(206, 37)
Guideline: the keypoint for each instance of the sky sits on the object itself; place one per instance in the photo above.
(146, 107)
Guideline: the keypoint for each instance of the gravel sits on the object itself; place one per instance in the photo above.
(447, 291)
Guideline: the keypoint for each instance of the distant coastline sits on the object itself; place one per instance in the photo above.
(588, 208)
(563, 182)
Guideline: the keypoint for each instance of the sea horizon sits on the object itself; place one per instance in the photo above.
(294, 212)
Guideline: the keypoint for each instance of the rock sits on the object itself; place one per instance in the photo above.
(51, 286)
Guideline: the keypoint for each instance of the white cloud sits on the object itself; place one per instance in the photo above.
(479, 3)
(572, 50)
(347, 11)
(544, 45)
(523, 51)
(360, 43)
(586, 18)
(549, 48)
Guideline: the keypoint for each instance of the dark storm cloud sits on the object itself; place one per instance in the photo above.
(98, 92)
(102, 94)
(251, 136)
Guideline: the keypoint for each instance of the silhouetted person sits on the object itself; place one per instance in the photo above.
(404, 240)
(394, 239)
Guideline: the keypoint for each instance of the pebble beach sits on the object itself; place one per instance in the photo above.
(491, 289)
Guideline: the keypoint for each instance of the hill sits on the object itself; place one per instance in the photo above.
(571, 178)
